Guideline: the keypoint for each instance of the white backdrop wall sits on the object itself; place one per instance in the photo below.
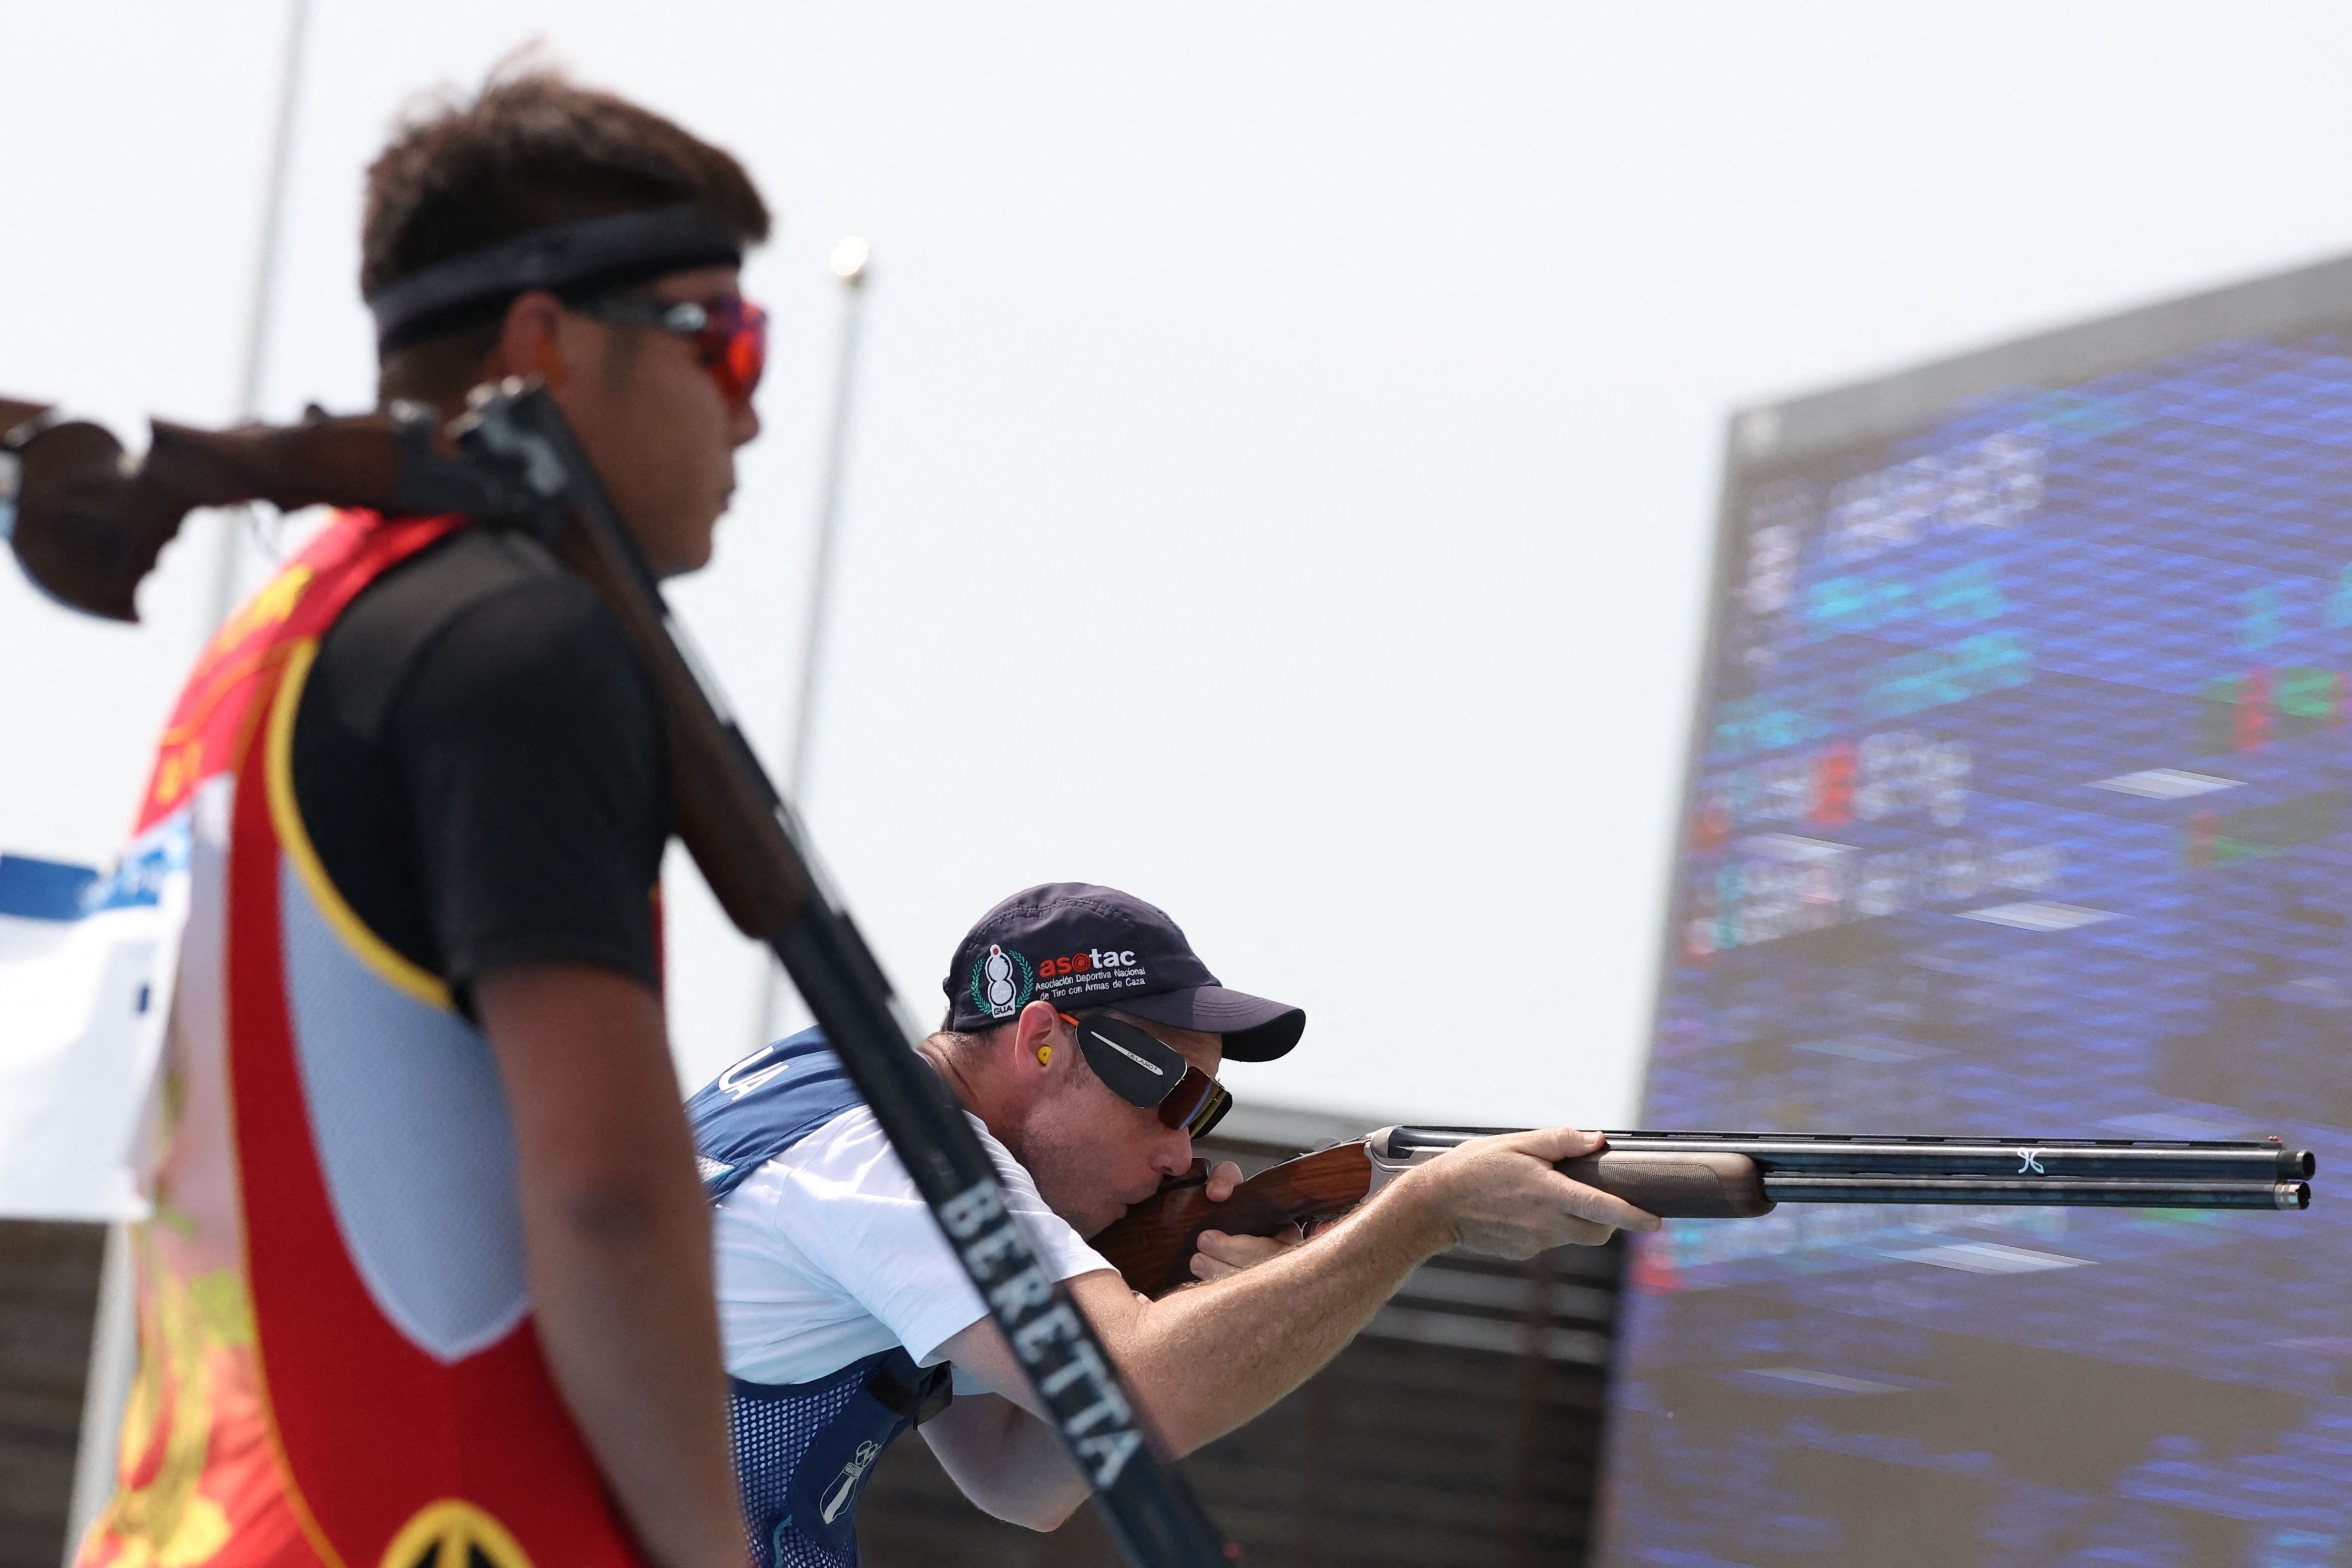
(1282, 481)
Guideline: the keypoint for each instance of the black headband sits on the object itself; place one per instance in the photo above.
(599, 250)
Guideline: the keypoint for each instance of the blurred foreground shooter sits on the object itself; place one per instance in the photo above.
(428, 1279)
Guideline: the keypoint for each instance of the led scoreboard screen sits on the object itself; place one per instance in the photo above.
(2019, 804)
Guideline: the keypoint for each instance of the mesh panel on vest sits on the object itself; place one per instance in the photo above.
(769, 1435)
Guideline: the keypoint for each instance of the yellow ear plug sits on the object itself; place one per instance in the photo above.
(1044, 1055)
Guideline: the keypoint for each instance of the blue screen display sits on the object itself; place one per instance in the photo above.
(2021, 806)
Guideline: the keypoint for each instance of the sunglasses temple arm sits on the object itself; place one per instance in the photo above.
(1211, 1111)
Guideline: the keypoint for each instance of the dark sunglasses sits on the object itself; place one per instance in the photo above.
(730, 333)
(1145, 1071)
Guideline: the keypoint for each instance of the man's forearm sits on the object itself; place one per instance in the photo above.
(621, 1288)
(1202, 1361)
(1205, 1360)
(618, 1240)
(1008, 1462)
(1301, 1309)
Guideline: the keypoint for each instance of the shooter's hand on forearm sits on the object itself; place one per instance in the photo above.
(618, 1240)
(1500, 1195)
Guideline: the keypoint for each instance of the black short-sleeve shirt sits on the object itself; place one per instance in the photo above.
(480, 761)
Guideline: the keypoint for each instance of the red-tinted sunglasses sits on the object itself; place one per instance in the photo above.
(730, 333)
(1145, 1071)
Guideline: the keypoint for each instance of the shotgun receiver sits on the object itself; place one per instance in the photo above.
(1729, 1176)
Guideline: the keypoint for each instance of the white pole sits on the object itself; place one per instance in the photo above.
(850, 258)
(258, 305)
(113, 1360)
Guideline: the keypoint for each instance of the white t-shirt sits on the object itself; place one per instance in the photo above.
(827, 1253)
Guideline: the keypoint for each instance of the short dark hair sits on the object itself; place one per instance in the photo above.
(531, 150)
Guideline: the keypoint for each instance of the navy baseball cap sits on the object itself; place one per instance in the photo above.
(1077, 946)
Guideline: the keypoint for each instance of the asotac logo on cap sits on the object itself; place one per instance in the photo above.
(1069, 980)
(1001, 982)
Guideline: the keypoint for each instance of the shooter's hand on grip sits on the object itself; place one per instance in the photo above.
(1220, 1254)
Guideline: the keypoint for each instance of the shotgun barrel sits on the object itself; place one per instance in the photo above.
(1797, 1168)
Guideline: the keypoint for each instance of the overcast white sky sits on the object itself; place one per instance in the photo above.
(1284, 475)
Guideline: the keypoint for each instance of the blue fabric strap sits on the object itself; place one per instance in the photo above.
(803, 1451)
(762, 1106)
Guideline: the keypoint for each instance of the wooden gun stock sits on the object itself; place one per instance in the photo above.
(89, 523)
(1152, 1246)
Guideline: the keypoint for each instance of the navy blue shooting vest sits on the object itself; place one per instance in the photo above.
(802, 1450)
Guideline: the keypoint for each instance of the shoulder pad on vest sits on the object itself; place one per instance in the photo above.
(763, 1105)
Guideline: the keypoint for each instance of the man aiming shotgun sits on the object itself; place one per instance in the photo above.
(1085, 1037)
